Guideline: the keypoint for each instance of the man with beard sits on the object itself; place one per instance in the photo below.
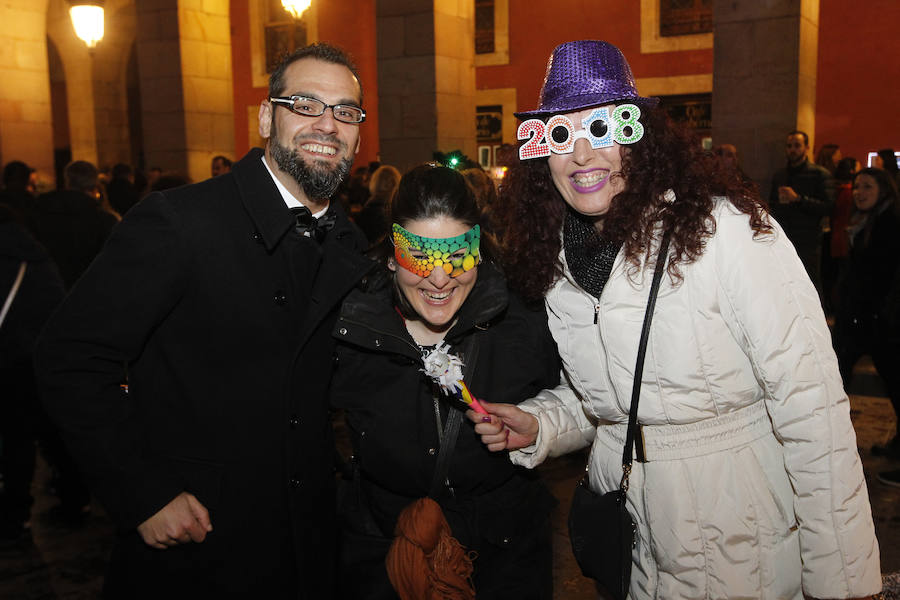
(188, 367)
(802, 195)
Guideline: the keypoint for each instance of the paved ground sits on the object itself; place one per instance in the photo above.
(65, 564)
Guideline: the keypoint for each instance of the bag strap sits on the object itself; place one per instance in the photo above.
(13, 291)
(639, 367)
(451, 430)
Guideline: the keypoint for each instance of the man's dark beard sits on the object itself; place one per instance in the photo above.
(318, 183)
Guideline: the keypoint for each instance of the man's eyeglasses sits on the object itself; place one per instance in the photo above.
(311, 107)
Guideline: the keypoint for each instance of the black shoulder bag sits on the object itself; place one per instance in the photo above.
(600, 528)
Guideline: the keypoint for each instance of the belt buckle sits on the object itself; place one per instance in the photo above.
(640, 454)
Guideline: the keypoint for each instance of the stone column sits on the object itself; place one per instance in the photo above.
(26, 132)
(426, 79)
(95, 82)
(764, 79)
(184, 59)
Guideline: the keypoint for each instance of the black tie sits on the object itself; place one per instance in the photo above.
(306, 223)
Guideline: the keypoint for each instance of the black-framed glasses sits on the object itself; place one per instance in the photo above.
(313, 107)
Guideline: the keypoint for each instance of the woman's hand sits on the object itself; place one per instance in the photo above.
(506, 427)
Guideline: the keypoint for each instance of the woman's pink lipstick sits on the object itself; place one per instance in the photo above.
(593, 188)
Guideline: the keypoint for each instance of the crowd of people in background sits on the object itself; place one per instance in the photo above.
(844, 221)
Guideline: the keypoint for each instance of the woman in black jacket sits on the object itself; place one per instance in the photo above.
(868, 317)
(439, 287)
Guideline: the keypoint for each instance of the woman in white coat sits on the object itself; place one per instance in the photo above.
(752, 485)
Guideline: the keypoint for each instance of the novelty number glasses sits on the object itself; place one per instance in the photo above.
(603, 127)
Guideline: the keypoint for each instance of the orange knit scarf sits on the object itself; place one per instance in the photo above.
(425, 561)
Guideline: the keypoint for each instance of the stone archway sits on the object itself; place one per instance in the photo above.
(96, 82)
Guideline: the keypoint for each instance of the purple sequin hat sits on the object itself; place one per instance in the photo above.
(583, 74)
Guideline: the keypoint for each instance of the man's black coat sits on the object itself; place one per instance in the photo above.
(222, 314)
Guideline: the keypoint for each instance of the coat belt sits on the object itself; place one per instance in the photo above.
(676, 442)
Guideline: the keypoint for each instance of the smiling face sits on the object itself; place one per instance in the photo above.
(312, 155)
(438, 297)
(584, 177)
(865, 192)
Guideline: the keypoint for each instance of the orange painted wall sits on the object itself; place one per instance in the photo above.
(858, 76)
(534, 31)
(353, 30)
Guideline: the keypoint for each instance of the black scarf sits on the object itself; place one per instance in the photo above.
(590, 257)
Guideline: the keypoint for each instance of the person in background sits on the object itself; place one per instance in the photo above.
(220, 165)
(121, 190)
(485, 193)
(31, 284)
(71, 222)
(18, 189)
(215, 302)
(73, 226)
(828, 157)
(402, 425)
(751, 484)
(838, 238)
(802, 194)
(728, 155)
(373, 219)
(868, 317)
(887, 159)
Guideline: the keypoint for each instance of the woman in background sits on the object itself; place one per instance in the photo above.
(868, 318)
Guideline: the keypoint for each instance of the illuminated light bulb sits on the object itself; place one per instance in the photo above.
(296, 7)
(87, 19)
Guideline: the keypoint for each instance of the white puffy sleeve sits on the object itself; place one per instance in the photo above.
(773, 310)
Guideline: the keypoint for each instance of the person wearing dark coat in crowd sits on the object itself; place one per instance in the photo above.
(802, 194)
(887, 159)
(868, 317)
(71, 224)
(216, 462)
(31, 285)
(121, 190)
(18, 189)
(372, 219)
(401, 422)
(73, 227)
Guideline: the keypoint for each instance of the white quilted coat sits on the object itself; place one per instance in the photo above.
(753, 515)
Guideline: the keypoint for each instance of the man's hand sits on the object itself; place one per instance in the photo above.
(180, 521)
(508, 427)
(786, 195)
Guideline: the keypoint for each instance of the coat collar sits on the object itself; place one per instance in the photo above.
(262, 201)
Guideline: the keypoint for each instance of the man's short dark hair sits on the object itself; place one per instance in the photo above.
(81, 175)
(225, 161)
(803, 133)
(319, 51)
(16, 175)
(121, 171)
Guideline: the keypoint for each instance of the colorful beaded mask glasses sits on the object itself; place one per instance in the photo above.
(421, 255)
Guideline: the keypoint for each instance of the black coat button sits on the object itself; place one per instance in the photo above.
(280, 298)
(294, 422)
(257, 237)
(295, 482)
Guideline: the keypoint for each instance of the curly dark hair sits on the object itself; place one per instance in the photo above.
(667, 157)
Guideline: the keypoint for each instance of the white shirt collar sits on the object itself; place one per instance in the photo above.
(288, 197)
